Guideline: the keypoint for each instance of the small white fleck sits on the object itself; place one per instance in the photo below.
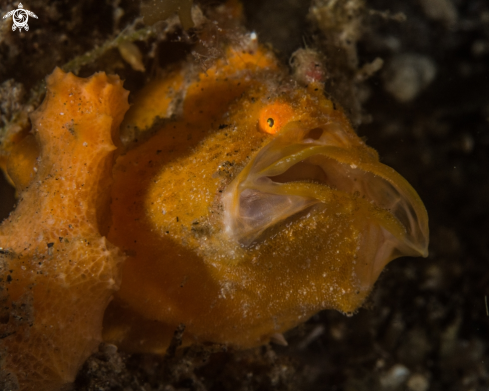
(253, 36)
(61, 113)
(85, 144)
(353, 166)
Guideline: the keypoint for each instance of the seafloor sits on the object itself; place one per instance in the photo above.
(426, 325)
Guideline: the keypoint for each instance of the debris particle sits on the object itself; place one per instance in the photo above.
(407, 75)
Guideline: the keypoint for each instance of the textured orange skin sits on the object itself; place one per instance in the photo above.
(15, 134)
(167, 216)
(58, 270)
(22, 162)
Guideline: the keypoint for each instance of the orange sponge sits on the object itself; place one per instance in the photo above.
(58, 270)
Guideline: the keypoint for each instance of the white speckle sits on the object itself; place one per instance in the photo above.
(353, 166)
(253, 36)
(85, 144)
(163, 211)
(61, 113)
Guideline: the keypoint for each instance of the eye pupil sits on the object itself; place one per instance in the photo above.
(270, 122)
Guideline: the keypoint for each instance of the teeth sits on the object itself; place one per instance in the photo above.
(302, 168)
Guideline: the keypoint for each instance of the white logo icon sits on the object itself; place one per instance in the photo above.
(20, 16)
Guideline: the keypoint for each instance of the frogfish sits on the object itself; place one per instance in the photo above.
(237, 201)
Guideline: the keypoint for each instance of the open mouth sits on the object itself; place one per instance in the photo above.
(302, 168)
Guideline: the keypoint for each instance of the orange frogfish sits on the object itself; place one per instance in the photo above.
(242, 200)
(247, 205)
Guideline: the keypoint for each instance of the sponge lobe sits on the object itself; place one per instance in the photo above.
(58, 271)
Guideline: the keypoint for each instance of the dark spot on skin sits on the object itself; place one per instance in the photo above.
(222, 126)
(270, 122)
(177, 219)
(9, 278)
(50, 245)
(60, 239)
(158, 151)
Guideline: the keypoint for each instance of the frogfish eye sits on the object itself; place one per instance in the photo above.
(274, 117)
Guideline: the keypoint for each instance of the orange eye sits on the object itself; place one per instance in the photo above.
(274, 117)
